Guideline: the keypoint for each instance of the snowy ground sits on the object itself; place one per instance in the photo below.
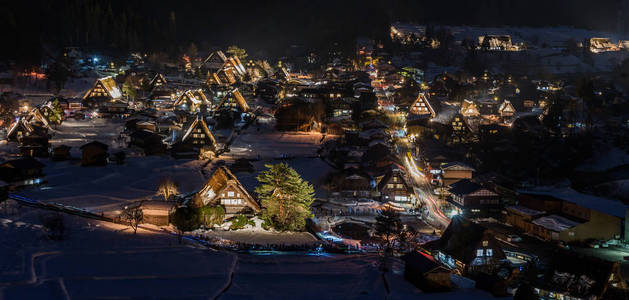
(106, 189)
(103, 260)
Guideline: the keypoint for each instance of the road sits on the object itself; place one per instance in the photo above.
(423, 192)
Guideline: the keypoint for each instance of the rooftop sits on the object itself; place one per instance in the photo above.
(605, 205)
(555, 223)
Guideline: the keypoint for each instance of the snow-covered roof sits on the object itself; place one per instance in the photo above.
(555, 223)
(605, 205)
(525, 210)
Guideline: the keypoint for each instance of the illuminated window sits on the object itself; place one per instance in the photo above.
(230, 194)
(490, 252)
(479, 252)
(485, 243)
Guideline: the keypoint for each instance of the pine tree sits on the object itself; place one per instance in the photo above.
(286, 197)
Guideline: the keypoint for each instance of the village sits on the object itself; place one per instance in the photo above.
(450, 160)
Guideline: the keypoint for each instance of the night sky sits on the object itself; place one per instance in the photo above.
(36, 28)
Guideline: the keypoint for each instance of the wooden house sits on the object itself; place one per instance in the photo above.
(196, 139)
(150, 142)
(421, 108)
(95, 154)
(160, 94)
(191, 100)
(426, 273)
(455, 171)
(461, 133)
(214, 61)
(495, 42)
(281, 74)
(394, 188)
(469, 109)
(467, 248)
(506, 109)
(61, 152)
(158, 80)
(233, 99)
(223, 188)
(222, 77)
(35, 145)
(157, 212)
(104, 90)
(353, 183)
(472, 199)
(22, 172)
(19, 129)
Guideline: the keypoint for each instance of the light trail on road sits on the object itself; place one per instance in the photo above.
(423, 192)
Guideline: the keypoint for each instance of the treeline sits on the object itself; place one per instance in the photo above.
(32, 28)
(36, 29)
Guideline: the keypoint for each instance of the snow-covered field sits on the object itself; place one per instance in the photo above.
(104, 260)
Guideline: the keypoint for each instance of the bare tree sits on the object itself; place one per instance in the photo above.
(134, 216)
(167, 188)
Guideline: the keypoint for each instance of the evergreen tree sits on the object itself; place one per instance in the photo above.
(185, 219)
(57, 113)
(286, 197)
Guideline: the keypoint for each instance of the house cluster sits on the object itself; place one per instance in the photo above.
(481, 254)
(175, 117)
(498, 43)
(370, 177)
(602, 45)
(31, 130)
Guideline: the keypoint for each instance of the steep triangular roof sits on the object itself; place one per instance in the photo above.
(421, 107)
(198, 121)
(462, 237)
(20, 123)
(506, 108)
(37, 115)
(236, 96)
(194, 97)
(281, 73)
(157, 80)
(221, 179)
(109, 86)
(215, 60)
(469, 109)
(234, 61)
(457, 166)
(23, 163)
(213, 79)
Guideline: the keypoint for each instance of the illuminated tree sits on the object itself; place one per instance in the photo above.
(239, 52)
(134, 216)
(56, 116)
(167, 188)
(286, 197)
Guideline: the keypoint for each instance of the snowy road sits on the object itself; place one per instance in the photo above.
(423, 192)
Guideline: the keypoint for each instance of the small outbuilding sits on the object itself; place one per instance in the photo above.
(95, 154)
